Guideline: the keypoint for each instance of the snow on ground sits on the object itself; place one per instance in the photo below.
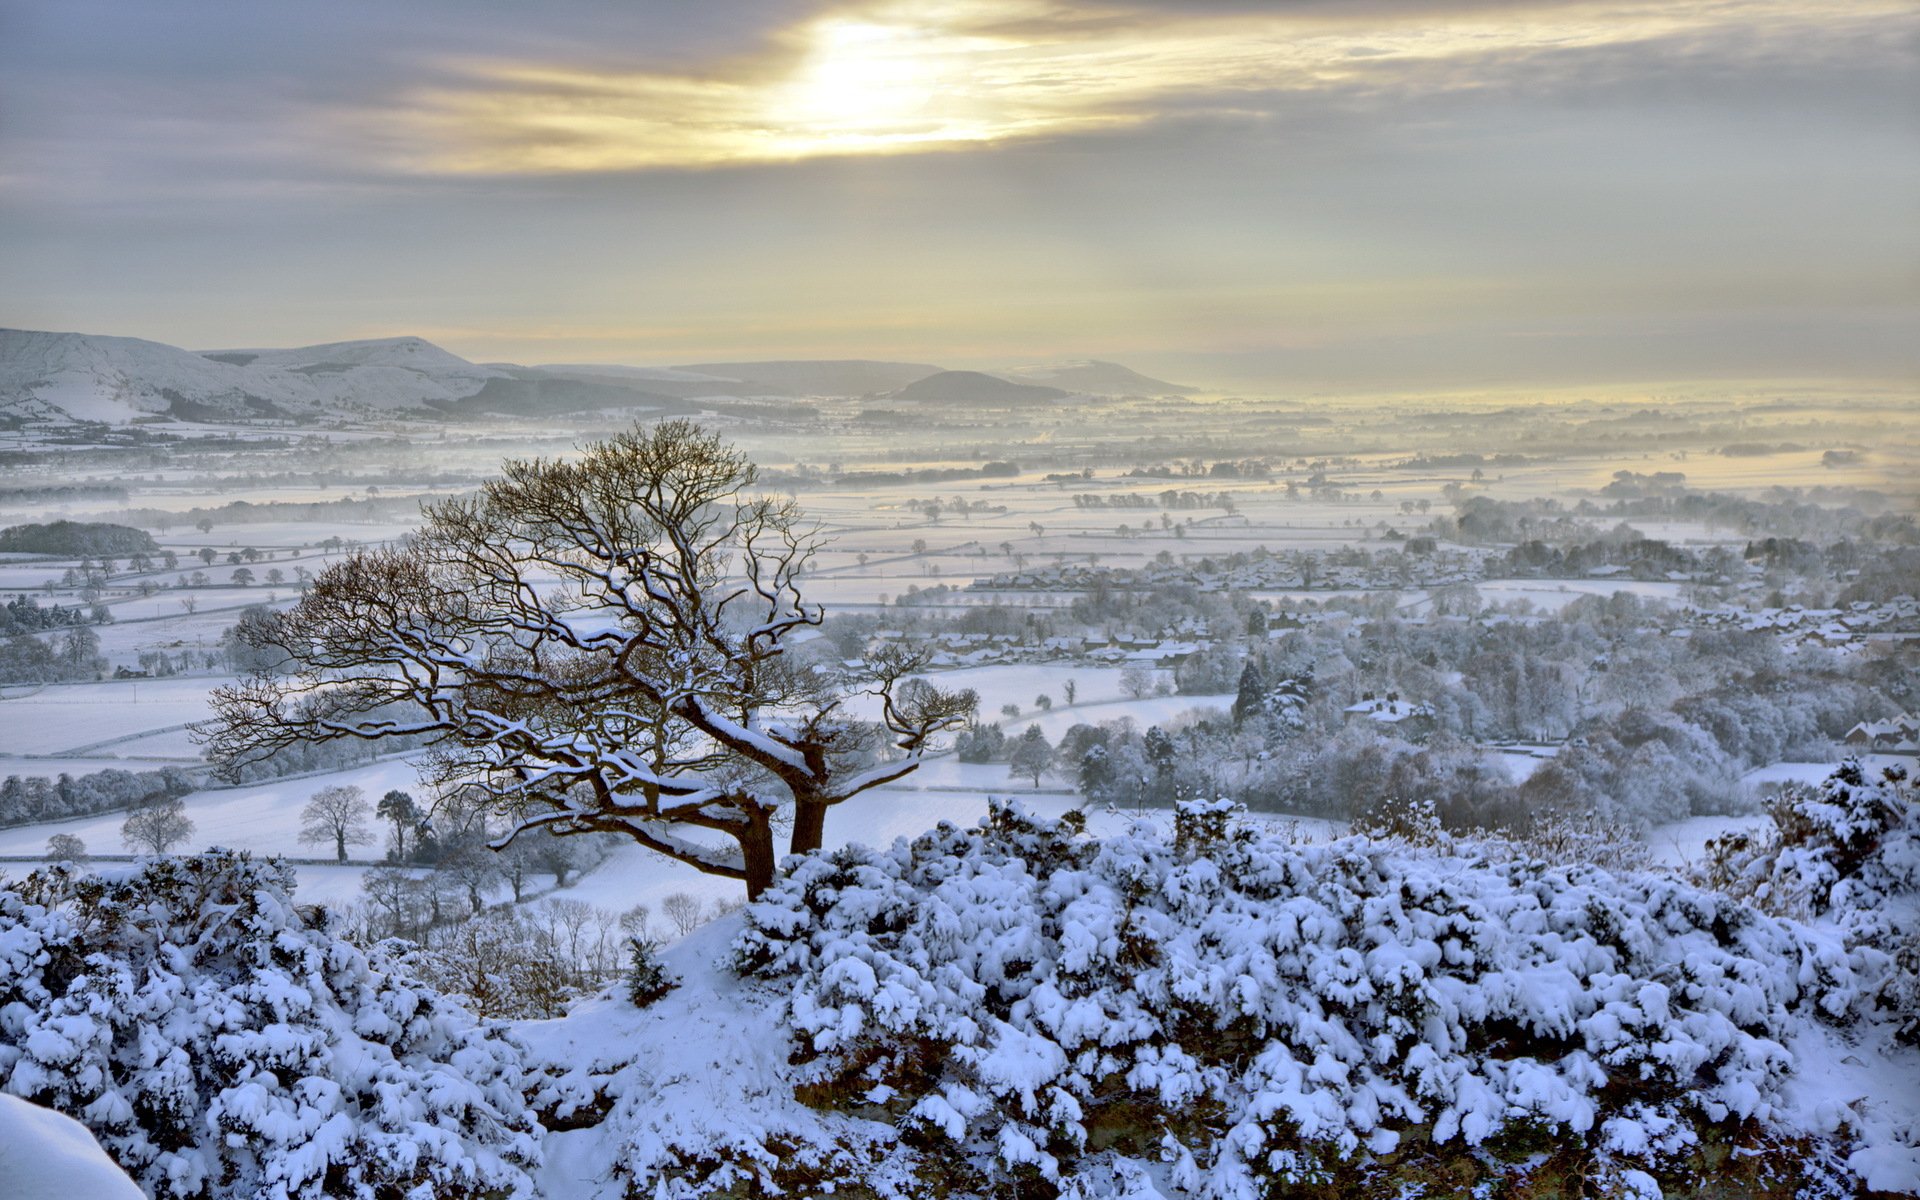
(262, 817)
(331, 885)
(176, 745)
(1815, 772)
(62, 718)
(1158, 710)
(47, 1156)
(1682, 844)
(1520, 762)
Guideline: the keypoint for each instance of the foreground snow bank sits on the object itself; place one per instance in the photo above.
(1019, 1005)
(220, 1047)
(46, 1156)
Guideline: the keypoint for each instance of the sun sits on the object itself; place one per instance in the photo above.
(865, 86)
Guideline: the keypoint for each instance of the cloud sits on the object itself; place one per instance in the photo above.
(903, 78)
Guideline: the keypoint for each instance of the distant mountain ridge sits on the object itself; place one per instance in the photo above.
(64, 378)
(87, 377)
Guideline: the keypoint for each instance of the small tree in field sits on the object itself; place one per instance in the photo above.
(157, 828)
(599, 644)
(1137, 681)
(65, 847)
(1032, 755)
(683, 910)
(398, 809)
(337, 815)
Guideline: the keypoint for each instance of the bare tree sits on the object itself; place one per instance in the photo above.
(399, 898)
(474, 871)
(684, 911)
(634, 922)
(1032, 755)
(158, 827)
(557, 857)
(598, 645)
(337, 815)
(517, 868)
(66, 847)
(1136, 680)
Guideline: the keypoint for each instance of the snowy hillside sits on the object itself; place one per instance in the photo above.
(1197, 1012)
(83, 377)
(77, 377)
(1180, 1010)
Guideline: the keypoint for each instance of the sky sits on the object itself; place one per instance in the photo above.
(1290, 195)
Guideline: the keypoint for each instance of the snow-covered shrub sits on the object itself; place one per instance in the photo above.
(1251, 1013)
(219, 1047)
(1846, 852)
(647, 977)
(1570, 838)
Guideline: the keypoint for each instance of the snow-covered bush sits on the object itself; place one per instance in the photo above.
(647, 977)
(1024, 1003)
(219, 1047)
(1848, 853)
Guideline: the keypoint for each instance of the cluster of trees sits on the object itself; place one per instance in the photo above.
(55, 495)
(346, 509)
(24, 614)
(1173, 500)
(75, 539)
(74, 654)
(1638, 557)
(1655, 727)
(32, 799)
(530, 961)
(935, 508)
(1651, 729)
(1781, 512)
(992, 470)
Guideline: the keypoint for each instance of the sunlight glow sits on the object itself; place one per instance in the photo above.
(905, 78)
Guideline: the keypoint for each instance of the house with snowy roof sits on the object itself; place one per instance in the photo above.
(1897, 735)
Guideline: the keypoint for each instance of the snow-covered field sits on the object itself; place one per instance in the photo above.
(37, 767)
(62, 718)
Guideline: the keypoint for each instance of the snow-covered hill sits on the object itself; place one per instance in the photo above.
(84, 377)
(78, 377)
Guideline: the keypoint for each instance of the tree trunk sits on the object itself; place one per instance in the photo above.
(756, 850)
(809, 827)
(340, 845)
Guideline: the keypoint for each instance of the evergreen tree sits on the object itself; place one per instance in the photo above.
(1252, 697)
